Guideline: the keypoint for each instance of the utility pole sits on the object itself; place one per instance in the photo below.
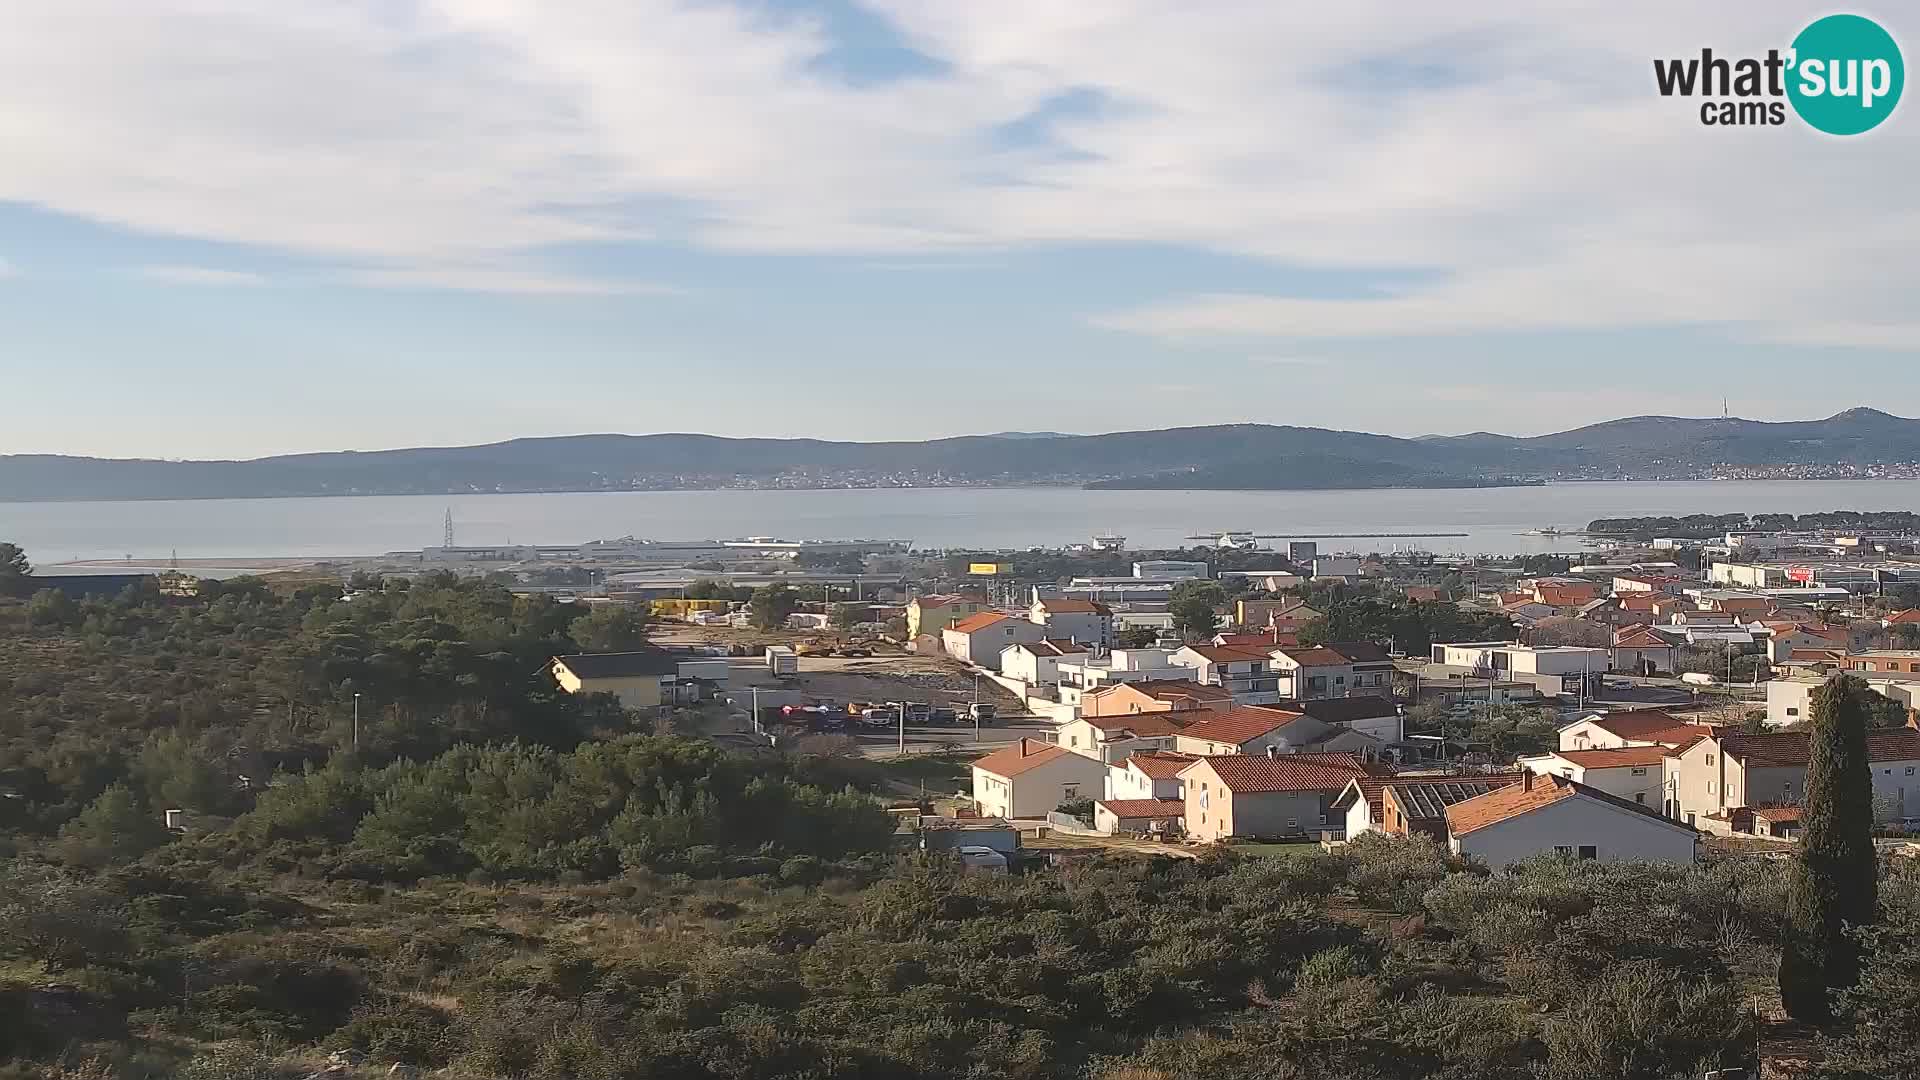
(976, 710)
(356, 719)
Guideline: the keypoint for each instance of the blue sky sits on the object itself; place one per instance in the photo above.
(231, 229)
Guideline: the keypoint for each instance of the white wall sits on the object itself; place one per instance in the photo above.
(1619, 834)
(1037, 791)
(1647, 788)
(1360, 818)
(1789, 701)
(1128, 783)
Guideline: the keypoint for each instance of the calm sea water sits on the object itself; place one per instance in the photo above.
(1492, 518)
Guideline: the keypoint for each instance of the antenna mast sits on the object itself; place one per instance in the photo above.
(446, 537)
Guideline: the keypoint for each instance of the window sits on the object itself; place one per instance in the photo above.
(1565, 850)
(1323, 819)
(1709, 759)
(1792, 711)
(1640, 797)
(1909, 770)
(1293, 823)
(1589, 851)
(1709, 787)
(1069, 792)
(1689, 818)
(1640, 770)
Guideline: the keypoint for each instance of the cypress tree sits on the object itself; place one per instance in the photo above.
(1834, 881)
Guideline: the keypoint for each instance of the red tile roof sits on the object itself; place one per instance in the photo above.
(984, 619)
(1145, 808)
(1051, 647)
(1641, 725)
(1775, 813)
(1789, 749)
(1056, 605)
(1510, 802)
(1241, 725)
(1221, 654)
(1425, 594)
(1252, 773)
(1903, 618)
(1173, 690)
(1639, 756)
(1023, 756)
(1370, 788)
(1159, 764)
(1317, 656)
(1639, 636)
(1145, 725)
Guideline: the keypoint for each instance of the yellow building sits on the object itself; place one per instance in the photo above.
(935, 612)
(640, 680)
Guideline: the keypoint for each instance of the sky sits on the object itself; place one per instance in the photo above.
(231, 228)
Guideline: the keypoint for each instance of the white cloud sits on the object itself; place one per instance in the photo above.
(199, 275)
(1516, 156)
(506, 279)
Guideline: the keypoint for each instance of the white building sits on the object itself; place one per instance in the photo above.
(1029, 779)
(1084, 621)
(1634, 773)
(1544, 815)
(1246, 674)
(978, 639)
(1036, 663)
(1113, 738)
(1790, 698)
(1507, 656)
(1147, 774)
(1079, 677)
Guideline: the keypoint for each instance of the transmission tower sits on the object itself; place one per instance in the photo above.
(446, 536)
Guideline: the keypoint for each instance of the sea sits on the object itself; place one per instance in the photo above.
(1491, 520)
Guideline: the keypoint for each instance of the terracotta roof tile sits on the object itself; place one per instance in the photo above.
(1146, 725)
(1787, 749)
(1240, 725)
(1250, 773)
(1063, 606)
(1635, 756)
(1317, 656)
(1145, 808)
(1160, 764)
(1023, 756)
(984, 619)
(1510, 802)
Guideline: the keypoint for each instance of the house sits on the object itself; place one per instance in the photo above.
(1885, 660)
(1567, 595)
(1111, 738)
(1037, 663)
(1083, 675)
(1502, 657)
(1111, 816)
(1908, 617)
(1244, 673)
(1790, 695)
(1369, 714)
(1777, 822)
(1552, 814)
(1256, 730)
(1639, 727)
(978, 639)
(1722, 772)
(640, 680)
(1426, 594)
(1639, 649)
(1334, 670)
(1030, 778)
(1284, 614)
(1785, 637)
(1154, 695)
(1362, 804)
(1252, 795)
(1257, 640)
(1147, 774)
(1634, 773)
(1086, 621)
(935, 612)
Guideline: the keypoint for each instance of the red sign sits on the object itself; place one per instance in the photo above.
(1801, 574)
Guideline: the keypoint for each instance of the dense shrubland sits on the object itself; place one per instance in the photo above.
(502, 881)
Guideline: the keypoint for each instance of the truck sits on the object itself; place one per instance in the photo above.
(782, 660)
(1698, 678)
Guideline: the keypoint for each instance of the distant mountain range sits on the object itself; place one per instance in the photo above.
(1232, 456)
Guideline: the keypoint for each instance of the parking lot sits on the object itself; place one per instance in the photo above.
(935, 682)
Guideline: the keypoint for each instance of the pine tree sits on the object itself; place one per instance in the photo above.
(1835, 879)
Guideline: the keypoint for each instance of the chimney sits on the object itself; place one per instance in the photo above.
(1526, 780)
(1273, 751)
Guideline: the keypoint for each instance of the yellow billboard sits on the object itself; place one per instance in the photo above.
(989, 569)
